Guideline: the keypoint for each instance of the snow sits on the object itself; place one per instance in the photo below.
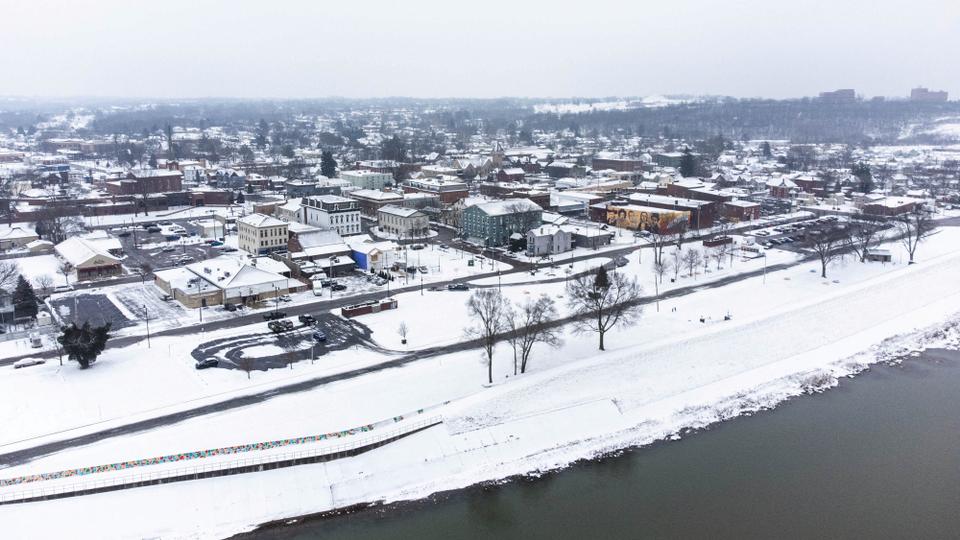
(791, 332)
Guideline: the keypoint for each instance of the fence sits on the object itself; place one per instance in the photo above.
(213, 470)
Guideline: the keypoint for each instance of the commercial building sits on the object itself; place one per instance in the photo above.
(223, 280)
(403, 222)
(372, 200)
(923, 95)
(333, 212)
(493, 223)
(260, 234)
(449, 190)
(645, 218)
(88, 260)
(367, 179)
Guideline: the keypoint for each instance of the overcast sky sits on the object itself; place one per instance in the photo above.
(355, 48)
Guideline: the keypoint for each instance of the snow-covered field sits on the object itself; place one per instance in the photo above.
(791, 332)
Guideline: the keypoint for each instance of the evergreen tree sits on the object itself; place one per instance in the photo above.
(864, 176)
(688, 164)
(240, 198)
(153, 161)
(765, 148)
(84, 343)
(287, 151)
(24, 299)
(602, 281)
(328, 165)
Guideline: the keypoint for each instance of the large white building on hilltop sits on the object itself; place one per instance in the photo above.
(260, 234)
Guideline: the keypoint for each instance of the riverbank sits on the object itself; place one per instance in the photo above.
(874, 458)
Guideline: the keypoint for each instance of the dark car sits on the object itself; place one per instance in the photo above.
(338, 287)
(207, 363)
(308, 319)
(153, 230)
(319, 336)
(458, 287)
(124, 234)
(417, 246)
(229, 307)
(273, 315)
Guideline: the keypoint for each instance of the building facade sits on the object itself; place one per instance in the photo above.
(260, 234)
(403, 222)
(333, 212)
(493, 223)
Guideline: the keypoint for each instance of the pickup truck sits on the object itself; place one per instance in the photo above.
(307, 319)
(278, 327)
(273, 315)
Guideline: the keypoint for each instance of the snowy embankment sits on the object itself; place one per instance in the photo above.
(794, 334)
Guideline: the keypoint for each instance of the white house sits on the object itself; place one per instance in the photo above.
(548, 240)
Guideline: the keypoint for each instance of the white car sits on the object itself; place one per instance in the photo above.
(27, 362)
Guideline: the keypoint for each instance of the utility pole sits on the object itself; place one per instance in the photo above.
(146, 315)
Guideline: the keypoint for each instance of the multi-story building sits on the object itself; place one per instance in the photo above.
(493, 223)
(147, 181)
(260, 234)
(450, 190)
(333, 212)
(924, 95)
(844, 95)
(372, 200)
(403, 222)
(364, 179)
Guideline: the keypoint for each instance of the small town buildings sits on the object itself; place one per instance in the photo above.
(740, 210)
(333, 212)
(260, 234)
(16, 237)
(403, 222)
(88, 260)
(145, 182)
(492, 223)
(548, 240)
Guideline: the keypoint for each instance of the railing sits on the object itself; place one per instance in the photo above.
(212, 470)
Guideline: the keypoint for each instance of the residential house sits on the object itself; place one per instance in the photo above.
(403, 222)
(548, 240)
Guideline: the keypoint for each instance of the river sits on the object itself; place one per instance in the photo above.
(876, 457)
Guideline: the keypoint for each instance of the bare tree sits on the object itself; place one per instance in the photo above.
(602, 301)
(680, 226)
(914, 228)
(691, 259)
(864, 235)
(9, 272)
(659, 269)
(44, 284)
(403, 330)
(658, 241)
(676, 262)
(488, 310)
(59, 223)
(529, 325)
(246, 363)
(65, 268)
(826, 240)
(721, 251)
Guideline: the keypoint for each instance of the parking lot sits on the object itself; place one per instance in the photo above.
(94, 308)
(271, 351)
(160, 250)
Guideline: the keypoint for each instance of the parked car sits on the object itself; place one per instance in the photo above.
(168, 249)
(423, 269)
(285, 298)
(153, 230)
(207, 363)
(319, 336)
(307, 319)
(27, 362)
(166, 298)
(458, 287)
(62, 288)
(229, 307)
(273, 315)
(229, 249)
(124, 234)
(417, 246)
(338, 286)
(621, 261)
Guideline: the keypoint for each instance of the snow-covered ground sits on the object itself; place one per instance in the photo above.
(791, 332)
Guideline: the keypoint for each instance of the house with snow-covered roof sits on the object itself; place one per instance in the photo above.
(88, 259)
